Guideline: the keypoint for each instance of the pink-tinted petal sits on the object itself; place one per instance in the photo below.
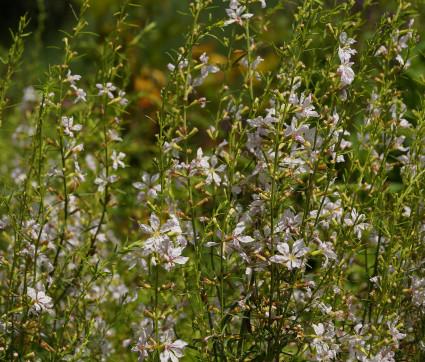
(245, 239)
(277, 259)
(239, 229)
(283, 248)
(154, 221)
(146, 229)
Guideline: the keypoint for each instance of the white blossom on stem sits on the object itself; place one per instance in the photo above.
(147, 186)
(116, 159)
(41, 301)
(141, 346)
(113, 135)
(123, 101)
(73, 147)
(292, 259)
(345, 53)
(69, 126)
(199, 163)
(182, 63)
(238, 231)
(102, 181)
(211, 172)
(173, 350)
(172, 254)
(355, 220)
(72, 78)
(158, 232)
(324, 342)
(81, 95)
(205, 70)
(307, 110)
(394, 331)
(289, 222)
(234, 14)
(108, 88)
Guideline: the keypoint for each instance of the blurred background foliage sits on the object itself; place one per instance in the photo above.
(167, 21)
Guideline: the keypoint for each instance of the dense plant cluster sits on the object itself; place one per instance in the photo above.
(276, 212)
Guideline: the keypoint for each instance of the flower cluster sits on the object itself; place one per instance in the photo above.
(345, 70)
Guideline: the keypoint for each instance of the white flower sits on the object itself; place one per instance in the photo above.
(30, 95)
(394, 332)
(91, 163)
(113, 135)
(212, 172)
(41, 301)
(307, 110)
(202, 101)
(254, 65)
(234, 14)
(68, 124)
(116, 159)
(47, 100)
(204, 58)
(354, 219)
(288, 222)
(72, 78)
(78, 148)
(199, 163)
(173, 146)
(386, 354)
(356, 341)
(345, 53)
(158, 232)
(397, 143)
(264, 125)
(407, 211)
(173, 350)
(106, 89)
(400, 59)
(80, 94)
(295, 132)
(123, 101)
(324, 342)
(418, 291)
(345, 40)
(148, 184)
(238, 231)
(400, 44)
(78, 173)
(327, 248)
(182, 63)
(291, 260)
(102, 181)
(142, 345)
(346, 73)
(209, 69)
(172, 254)
(204, 70)
(381, 50)
(72, 146)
